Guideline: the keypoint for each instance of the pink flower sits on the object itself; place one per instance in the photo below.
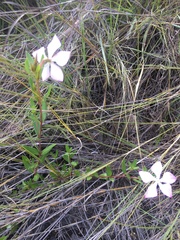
(55, 60)
(163, 183)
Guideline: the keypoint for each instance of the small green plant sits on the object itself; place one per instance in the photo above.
(68, 155)
(37, 67)
(66, 168)
(131, 166)
(42, 67)
(106, 175)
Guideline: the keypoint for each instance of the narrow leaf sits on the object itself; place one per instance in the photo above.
(103, 175)
(44, 109)
(48, 149)
(33, 106)
(26, 162)
(89, 178)
(31, 150)
(136, 180)
(31, 83)
(134, 162)
(128, 176)
(49, 91)
(36, 124)
(108, 171)
(30, 58)
(28, 62)
(123, 166)
(27, 66)
(67, 148)
(42, 158)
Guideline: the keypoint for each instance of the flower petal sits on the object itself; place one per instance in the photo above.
(61, 58)
(151, 191)
(157, 169)
(146, 177)
(56, 73)
(46, 72)
(168, 178)
(166, 189)
(53, 46)
(39, 53)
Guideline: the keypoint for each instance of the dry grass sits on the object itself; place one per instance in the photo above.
(120, 97)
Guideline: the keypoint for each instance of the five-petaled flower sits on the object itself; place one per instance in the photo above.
(163, 183)
(53, 61)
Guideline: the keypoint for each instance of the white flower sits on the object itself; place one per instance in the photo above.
(164, 182)
(56, 60)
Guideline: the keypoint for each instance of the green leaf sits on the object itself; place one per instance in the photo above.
(38, 71)
(44, 109)
(128, 176)
(53, 175)
(30, 165)
(42, 158)
(66, 173)
(103, 175)
(108, 171)
(133, 165)
(27, 163)
(74, 163)
(130, 166)
(68, 149)
(31, 84)
(30, 58)
(69, 153)
(26, 66)
(55, 155)
(48, 149)
(36, 124)
(112, 179)
(49, 91)
(77, 173)
(65, 156)
(95, 175)
(89, 178)
(88, 169)
(64, 167)
(33, 167)
(33, 106)
(123, 166)
(36, 177)
(136, 180)
(144, 168)
(30, 184)
(31, 150)
(28, 62)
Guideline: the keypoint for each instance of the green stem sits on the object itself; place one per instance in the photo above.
(40, 116)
